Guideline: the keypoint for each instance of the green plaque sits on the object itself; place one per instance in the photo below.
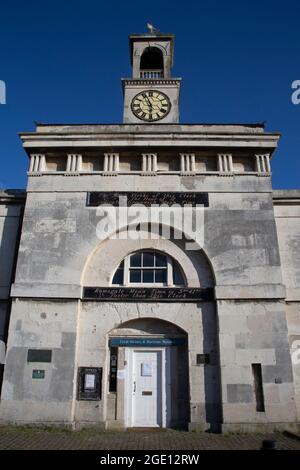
(38, 374)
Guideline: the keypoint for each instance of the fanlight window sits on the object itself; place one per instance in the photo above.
(149, 267)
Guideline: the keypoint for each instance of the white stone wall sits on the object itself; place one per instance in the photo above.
(287, 213)
(255, 332)
(287, 216)
(98, 320)
(240, 257)
(78, 337)
(40, 324)
(59, 231)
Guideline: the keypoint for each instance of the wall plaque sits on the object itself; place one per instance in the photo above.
(113, 368)
(148, 294)
(202, 359)
(38, 374)
(147, 198)
(89, 380)
(39, 355)
(149, 342)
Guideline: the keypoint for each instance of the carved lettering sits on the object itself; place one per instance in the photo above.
(148, 198)
(148, 294)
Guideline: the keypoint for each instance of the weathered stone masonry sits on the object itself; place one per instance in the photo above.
(232, 354)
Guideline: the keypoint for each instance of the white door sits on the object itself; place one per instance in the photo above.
(147, 388)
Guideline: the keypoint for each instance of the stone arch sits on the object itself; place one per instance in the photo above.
(148, 326)
(108, 254)
(157, 329)
(152, 59)
(200, 322)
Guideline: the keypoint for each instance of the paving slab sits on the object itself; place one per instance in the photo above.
(37, 439)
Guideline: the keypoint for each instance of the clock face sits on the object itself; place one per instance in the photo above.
(150, 105)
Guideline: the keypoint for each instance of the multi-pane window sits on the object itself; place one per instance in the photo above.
(148, 267)
(119, 274)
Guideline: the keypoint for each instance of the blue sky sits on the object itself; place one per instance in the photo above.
(62, 62)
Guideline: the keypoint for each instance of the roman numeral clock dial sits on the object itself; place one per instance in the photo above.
(150, 105)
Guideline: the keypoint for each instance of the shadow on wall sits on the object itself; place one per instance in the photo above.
(212, 369)
(10, 225)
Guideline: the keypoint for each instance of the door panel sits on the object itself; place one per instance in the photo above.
(147, 389)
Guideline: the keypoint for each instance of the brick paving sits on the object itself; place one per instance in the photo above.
(36, 439)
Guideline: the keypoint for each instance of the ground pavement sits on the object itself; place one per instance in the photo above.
(23, 438)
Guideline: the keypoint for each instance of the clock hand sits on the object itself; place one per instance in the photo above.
(149, 103)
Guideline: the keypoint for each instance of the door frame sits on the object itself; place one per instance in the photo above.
(165, 382)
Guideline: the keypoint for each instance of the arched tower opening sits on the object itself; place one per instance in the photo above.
(152, 63)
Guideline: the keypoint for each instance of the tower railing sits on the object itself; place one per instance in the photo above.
(151, 74)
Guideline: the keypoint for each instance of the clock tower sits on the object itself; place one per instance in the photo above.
(151, 95)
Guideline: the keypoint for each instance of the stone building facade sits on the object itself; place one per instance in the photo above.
(119, 331)
(11, 214)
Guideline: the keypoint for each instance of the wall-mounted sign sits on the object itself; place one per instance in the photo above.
(202, 359)
(89, 381)
(39, 355)
(148, 342)
(148, 294)
(147, 198)
(113, 367)
(38, 374)
(121, 374)
(146, 369)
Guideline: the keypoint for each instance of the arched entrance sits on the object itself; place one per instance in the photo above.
(149, 363)
(128, 287)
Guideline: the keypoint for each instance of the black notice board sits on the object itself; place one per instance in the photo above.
(147, 198)
(89, 383)
(39, 355)
(148, 294)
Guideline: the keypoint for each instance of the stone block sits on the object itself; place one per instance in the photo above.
(239, 393)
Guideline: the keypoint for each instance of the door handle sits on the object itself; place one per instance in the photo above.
(134, 386)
